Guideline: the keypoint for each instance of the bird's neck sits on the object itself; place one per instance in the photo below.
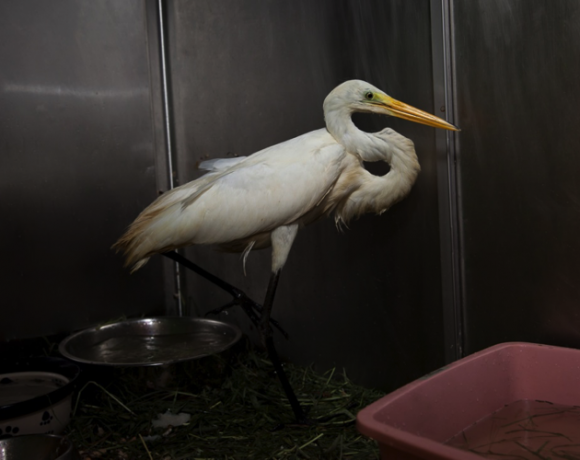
(386, 145)
(340, 125)
(367, 193)
(374, 193)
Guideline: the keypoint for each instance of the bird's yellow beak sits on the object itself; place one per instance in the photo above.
(400, 109)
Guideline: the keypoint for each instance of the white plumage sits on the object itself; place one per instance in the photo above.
(252, 202)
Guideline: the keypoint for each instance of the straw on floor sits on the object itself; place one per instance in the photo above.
(221, 408)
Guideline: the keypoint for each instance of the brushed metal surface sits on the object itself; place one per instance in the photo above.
(150, 341)
(77, 158)
(81, 134)
(249, 74)
(518, 98)
(448, 181)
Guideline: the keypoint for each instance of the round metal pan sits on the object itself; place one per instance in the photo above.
(150, 341)
(38, 447)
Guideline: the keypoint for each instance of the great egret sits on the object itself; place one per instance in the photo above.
(262, 200)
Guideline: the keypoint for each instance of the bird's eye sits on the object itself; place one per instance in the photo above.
(369, 95)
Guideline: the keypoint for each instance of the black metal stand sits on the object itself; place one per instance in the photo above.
(250, 307)
(263, 324)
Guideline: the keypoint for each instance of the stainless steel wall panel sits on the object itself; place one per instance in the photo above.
(518, 97)
(448, 180)
(77, 161)
(249, 74)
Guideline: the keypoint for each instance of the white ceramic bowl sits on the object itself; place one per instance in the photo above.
(36, 395)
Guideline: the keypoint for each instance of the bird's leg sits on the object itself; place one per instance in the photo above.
(266, 333)
(282, 239)
(268, 303)
(239, 297)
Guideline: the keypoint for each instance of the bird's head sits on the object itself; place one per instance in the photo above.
(360, 96)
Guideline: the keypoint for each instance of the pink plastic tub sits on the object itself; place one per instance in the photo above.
(416, 420)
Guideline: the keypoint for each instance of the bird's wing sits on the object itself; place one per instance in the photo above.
(268, 189)
(219, 164)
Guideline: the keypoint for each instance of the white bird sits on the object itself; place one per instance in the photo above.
(263, 200)
(253, 202)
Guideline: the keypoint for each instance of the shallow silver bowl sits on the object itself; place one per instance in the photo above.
(150, 341)
(38, 447)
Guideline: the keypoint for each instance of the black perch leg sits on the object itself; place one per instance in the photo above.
(265, 328)
(235, 292)
(240, 298)
(252, 309)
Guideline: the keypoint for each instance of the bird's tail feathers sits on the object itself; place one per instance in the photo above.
(139, 264)
(127, 246)
(133, 243)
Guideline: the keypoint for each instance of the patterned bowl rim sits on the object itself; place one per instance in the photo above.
(60, 366)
